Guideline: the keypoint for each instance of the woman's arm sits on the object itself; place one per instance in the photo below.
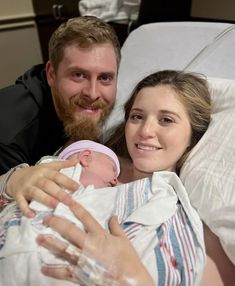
(112, 251)
(219, 269)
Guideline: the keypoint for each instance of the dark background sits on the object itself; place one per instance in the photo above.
(51, 13)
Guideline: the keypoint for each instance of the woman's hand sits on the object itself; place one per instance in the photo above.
(43, 183)
(113, 251)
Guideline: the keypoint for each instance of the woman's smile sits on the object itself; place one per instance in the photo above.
(146, 147)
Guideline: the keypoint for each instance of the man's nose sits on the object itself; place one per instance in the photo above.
(91, 89)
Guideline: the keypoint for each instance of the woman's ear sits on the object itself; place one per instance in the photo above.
(85, 158)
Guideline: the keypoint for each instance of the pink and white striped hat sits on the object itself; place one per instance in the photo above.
(82, 145)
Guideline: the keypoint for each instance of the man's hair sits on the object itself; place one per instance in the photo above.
(194, 94)
(84, 32)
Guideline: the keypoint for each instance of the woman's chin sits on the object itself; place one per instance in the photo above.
(140, 173)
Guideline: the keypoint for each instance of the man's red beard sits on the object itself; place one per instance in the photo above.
(85, 127)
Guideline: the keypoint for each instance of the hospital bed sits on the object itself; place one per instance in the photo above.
(207, 48)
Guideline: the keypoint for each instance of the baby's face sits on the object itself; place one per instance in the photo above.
(103, 166)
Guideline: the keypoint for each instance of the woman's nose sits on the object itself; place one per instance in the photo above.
(148, 129)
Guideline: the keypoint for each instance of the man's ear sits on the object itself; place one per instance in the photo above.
(85, 158)
(50, 73)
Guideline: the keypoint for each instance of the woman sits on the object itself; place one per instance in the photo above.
(167, 114)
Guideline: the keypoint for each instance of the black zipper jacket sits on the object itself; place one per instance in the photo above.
(29, 126)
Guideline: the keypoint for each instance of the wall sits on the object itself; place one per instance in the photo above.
(15, 8)
(214, 9)
(19, 43)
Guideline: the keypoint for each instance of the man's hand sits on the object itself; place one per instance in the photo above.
(43, 183)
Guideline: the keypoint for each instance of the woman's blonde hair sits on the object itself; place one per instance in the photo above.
(83, 31)
(194, 94)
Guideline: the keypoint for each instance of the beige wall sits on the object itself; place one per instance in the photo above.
(214, 9)
(19, 42)
(15, 8)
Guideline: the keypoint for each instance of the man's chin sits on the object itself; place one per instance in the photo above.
(86, 125)
(83, 130)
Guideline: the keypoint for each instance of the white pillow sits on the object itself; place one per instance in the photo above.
(203, 47)
(209, 172)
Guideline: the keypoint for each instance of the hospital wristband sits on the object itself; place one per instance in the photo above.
(4, 197)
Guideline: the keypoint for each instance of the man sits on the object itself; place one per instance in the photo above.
(67, 100)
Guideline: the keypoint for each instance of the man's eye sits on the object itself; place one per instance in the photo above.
(106, 78)
(78, 75)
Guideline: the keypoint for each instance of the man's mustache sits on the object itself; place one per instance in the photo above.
(86, 102)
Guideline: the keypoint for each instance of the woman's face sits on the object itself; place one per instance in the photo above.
(157, 131)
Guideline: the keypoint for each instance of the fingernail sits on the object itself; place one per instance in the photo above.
(47, 219)
(76, 185)
(73, 204)
(54, 203)
(40, 239)
(44, 269)
(30, 214)
(67, 200)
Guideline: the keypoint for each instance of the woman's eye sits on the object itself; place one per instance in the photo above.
(135, 117)
(166, 120)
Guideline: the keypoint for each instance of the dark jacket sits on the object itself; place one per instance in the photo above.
(29, 126)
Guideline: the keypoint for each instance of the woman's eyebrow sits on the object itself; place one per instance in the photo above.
(166, 111)
(136, 109)
(162, 111)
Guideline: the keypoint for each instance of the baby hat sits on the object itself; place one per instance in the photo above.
(82, 145)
